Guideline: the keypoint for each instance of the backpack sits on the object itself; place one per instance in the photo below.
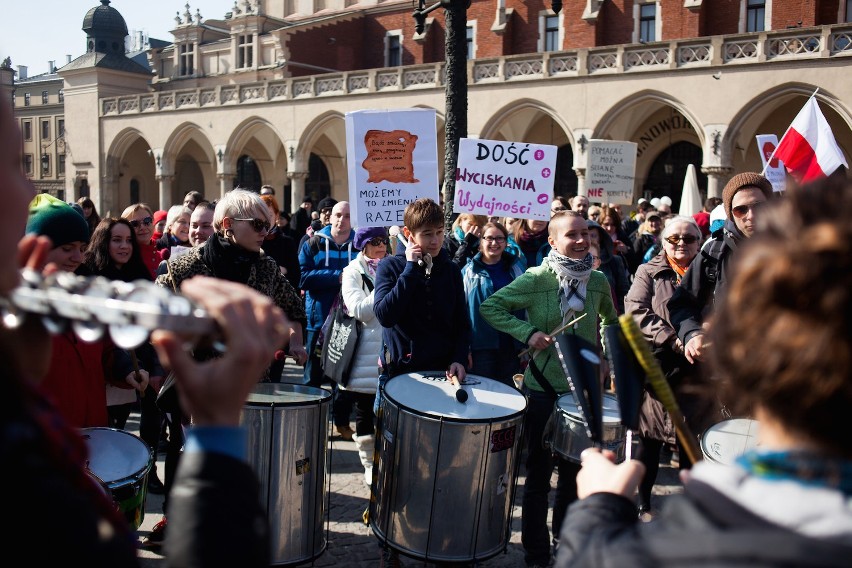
(712, 254)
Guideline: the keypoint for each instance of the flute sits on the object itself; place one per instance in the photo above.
(93, 304)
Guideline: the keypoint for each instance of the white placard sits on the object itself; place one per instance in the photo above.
(505, 179)
(392, 158)
(775, 172)
(611, 171)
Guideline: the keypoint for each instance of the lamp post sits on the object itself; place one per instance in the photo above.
(455, 54)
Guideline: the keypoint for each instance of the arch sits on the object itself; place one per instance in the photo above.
(128, 159)
(325, 139)
(510, 110)
(262, 142)
(189, 155)
(626, 105)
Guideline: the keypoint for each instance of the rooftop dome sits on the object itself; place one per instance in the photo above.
(104, 20)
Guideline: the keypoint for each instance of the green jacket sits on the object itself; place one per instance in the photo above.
(537, 292)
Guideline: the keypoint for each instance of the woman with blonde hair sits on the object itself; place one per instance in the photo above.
(463, 241)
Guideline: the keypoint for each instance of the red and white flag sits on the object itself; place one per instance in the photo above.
(808, 148)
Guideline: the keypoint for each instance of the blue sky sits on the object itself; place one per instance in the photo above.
(39, 31)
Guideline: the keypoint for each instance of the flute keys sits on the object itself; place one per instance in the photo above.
(130, 335)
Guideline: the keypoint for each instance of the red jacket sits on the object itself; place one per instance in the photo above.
(152, 257)
(75, 382)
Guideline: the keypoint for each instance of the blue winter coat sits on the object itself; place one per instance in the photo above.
(322, 261)
(478, 286)
(425, 321)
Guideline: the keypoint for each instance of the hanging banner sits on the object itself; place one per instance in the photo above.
(611, 171)
(774, 171)
(505, 179)
(392, 158)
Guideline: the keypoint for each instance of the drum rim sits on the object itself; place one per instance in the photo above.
(135, 476)
(454, 419)
(325, 398)
(571, 415)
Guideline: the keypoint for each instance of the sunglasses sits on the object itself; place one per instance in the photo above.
(498, 240)
(378, 241)
(259, 225)
(741, 211)
(686, 239)
(145, 221)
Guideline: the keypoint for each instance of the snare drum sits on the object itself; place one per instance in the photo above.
(569, 437)
(727, 440)
(121, 461)
(444, 480)
(288, 436)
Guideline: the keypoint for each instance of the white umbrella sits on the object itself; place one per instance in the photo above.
(690, 199)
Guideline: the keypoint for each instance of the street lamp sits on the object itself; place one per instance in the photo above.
(455, 54)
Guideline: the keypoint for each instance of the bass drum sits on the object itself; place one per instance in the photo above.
(444, 472)
(288, 437)
(120, 462)
(569, 437)
(727, 440)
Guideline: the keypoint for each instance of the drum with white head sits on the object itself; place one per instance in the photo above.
(444, 478)
(569, 437)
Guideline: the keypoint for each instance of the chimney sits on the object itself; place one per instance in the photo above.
(22, 72)
(51, 66)
(67, 58)
(141, 41)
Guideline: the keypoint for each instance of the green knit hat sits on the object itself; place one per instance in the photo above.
(56, 219)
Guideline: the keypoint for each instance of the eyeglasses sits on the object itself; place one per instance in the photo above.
(145, 221)
(491, 240)
(259, 225)
(741, 211)
(687, 239)
(378, 241)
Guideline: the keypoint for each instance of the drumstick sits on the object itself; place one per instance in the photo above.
(135, 362)
(660, 385)
(559, 329)
(461, 394)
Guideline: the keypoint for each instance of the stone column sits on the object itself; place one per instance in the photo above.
(297, 188)
(165, 182)
(225, 183)
(581, 181)
(717, 177)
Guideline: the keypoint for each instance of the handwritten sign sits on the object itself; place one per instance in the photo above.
(611, 171)
(392, 158)
(774, 170)
(507, 179)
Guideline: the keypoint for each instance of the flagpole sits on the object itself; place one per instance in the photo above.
(772, 155)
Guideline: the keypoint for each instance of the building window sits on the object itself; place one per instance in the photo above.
(847, 17)
(551, 33)
(44, 97)
(26, 99)
(28, 130)
(187, 59)
(45, 130)
(45, 164)
(470, 33)
(755, 15)
(60, 165)
(647, 22)
(393, 49)
(60, 128)
(61, 95)
(245, 52)
(28, 164)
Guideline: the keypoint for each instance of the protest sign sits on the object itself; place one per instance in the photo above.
(611, 171)
(392, 158)
(511, 179)
(774, 171)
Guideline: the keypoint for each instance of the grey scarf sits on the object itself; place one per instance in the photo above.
(573, 276)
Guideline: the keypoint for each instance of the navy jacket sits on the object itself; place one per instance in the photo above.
(321, 262)
(425, 321)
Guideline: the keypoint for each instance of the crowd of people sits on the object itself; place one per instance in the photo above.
(743, 305)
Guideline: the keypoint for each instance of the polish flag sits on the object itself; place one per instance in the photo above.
(808, 148)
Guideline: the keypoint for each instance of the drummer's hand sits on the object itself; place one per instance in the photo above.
(458, 370)
(299, 353)
(540, 340)
(693, 350)
(253, 327)
(140, 384)
(600, 474)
